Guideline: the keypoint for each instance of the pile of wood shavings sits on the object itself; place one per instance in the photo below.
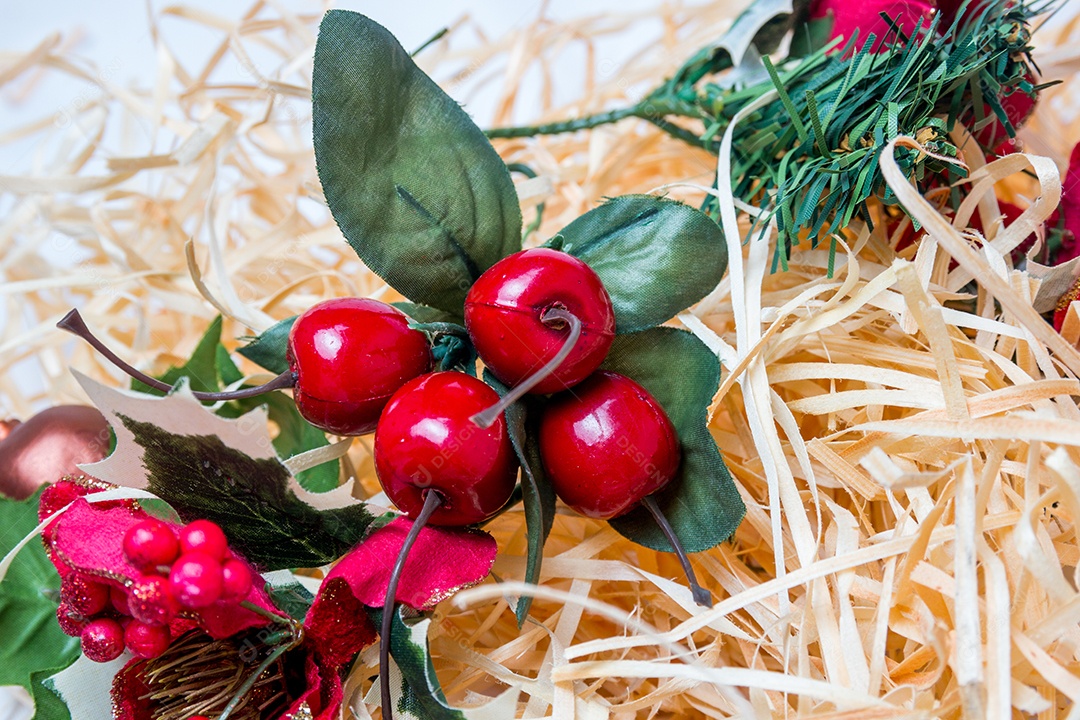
(911, 472)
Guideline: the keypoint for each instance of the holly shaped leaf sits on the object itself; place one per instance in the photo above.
(47, 704)
(702, 503)
(412, 182)
(537, 495)
(224, 470)
(415, 687)
(29, 596)
(656, 257)
(210, 368)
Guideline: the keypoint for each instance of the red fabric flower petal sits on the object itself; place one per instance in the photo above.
(337, 624)
(443, 561)
(1070, 209)
(90, 540)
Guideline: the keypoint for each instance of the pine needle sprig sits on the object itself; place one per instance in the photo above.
(810, 155)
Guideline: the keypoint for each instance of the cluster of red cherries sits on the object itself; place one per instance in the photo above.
(542, 323)
(186, 570)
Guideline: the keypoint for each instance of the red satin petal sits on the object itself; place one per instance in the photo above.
(443, 561)
(91, 539)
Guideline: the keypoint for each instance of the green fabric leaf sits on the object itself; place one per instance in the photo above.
(293, 598)
(422, 314)
(29, 596)
(702, 503)
(268, 349)
(422, 696)
(414, 185)
(249, 497)
(537, 495)
(47, 704)
(201, 369)
(656, 257)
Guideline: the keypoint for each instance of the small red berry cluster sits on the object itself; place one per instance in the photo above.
(186, 570)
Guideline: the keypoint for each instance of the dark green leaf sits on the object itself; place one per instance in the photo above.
(414, 185)
(268, 349)
(538, 497)
(201, 369)
(424, 314)
(656, 257)
(29, 595)
(293, 598)
(249, 497)
(702, 503)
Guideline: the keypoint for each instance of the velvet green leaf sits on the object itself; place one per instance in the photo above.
(248, 497)
(414, 185)
(702, 503)
(656, 257)
(537, 495)
(29, 595)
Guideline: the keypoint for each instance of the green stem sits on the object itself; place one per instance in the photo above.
(565, 126)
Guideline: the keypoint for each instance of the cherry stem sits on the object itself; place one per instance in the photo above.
(432, 501)
(551, 316)
(701, 596)
(74, 324)
(248, 605)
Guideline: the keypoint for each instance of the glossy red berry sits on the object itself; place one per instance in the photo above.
(102, 640)
(195, 580)
(503, 310)
(150, 544)
(426, 440)
(206, 537)
(146, 641)
(84, 596)
(607, 445)
(150, 600)
(235, 580)
(350, 355)
(71, 622)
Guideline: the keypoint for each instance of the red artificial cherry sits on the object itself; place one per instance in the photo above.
(83, 595)
(508, 316)
(235, 579)
(150, 600)
(146, 641)
(607, 445)
(437, 465)
(206, 537)
(349, 356)
(150, 544)
(71, 622)
(195, 580)
(426, 441)
(102, 640)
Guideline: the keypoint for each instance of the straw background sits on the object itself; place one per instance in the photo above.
(911, 472)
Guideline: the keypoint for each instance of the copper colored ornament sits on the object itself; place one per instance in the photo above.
(48, 446)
